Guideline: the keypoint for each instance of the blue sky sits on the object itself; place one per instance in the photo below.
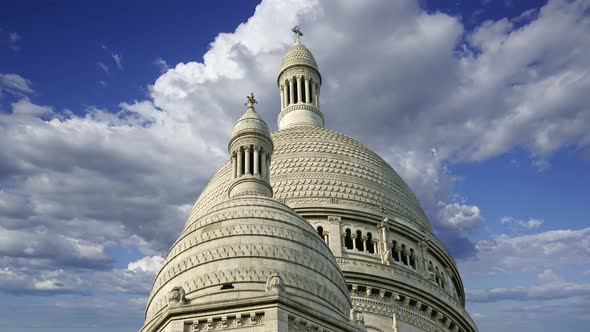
(114, 116)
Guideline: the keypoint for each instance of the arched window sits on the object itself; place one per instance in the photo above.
(370, 244)
(359, 241)
(321, 231)
(404, 255)
(395, 251)
(348, 239)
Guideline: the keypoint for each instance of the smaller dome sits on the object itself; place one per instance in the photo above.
(250, 122)
(298, 55)
(232, 251)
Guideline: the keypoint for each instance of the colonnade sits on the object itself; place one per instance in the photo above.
(299, 90)
(250, 160)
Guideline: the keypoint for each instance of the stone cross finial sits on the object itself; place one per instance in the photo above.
(251, 101)
(297, 32)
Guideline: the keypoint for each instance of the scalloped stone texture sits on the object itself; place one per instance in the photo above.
(313, 164)
(297, 55)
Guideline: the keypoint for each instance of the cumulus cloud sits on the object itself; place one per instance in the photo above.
(148, 264)
(459, 216)
(421, 91)
(505, 253)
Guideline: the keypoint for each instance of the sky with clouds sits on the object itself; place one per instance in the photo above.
(114, 117)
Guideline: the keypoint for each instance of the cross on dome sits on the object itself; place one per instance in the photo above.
(297, 31)
(251, 101)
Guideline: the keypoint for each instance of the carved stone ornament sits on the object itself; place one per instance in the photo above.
(386, 257)
(357, 316)
(176, 297)
(275, 283)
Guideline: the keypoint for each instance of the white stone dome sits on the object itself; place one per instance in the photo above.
(230, 251)
(298, 55)
(249, 123)
(313, 166)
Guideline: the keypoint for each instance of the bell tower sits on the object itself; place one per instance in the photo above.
(299, 84)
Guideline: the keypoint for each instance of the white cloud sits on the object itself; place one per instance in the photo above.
(162, 64)
(531, 223)
(505, 254)
(459, 216)
(549, 286)
(14, 84)
(148, 264)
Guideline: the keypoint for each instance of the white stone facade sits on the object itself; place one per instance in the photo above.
(306, 229)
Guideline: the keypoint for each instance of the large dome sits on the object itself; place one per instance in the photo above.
(313, 165)
(231, 251)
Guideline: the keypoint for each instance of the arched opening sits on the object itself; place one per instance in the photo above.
(251, 152)
(370, 244)
(321, 231)
(348, 239)
(242, 153)
(311, 89)
(295, 91)
(437, 275)
(359, 241)
(395, 251)
(287, 94)
(404, 255)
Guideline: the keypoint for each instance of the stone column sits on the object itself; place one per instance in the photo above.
(313, 93)
(317, 96)
(383, 234)
(299, 92)
(291, 94)
(353, 236)
(282, 97)
(263, 165)
(234, 165)
(247, 160)
(423, 245)
(256, 160)
(285, 96)
(307, 99)
(240, 156)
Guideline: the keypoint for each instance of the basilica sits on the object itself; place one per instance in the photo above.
(305, 229)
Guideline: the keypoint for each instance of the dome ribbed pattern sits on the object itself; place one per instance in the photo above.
(242, 242)
(312, 165)
(298, 54)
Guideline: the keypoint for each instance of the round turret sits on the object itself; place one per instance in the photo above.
(250, 148)
(299, 83)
